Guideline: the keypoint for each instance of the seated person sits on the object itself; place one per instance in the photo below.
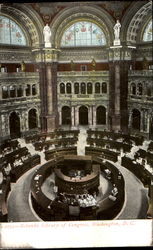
(115, 190)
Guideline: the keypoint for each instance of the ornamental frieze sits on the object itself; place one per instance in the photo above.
(15, 57)
(83, 55)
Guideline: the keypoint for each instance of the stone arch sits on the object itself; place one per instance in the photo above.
(28, 19)
(82, 12)
(97, 87)
(133, 88)
(134, 21)
(101, 115)
(83, 115)
(76, 88)
(32, 118)
(62, 88)
(68, 88)
(136, 119)
(66, 115)
(83, 88)
(89, 88)
(14, 125)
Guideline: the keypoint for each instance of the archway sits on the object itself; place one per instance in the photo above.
(14, 122)
(66, 115)
(83, 115)
(32, 119)
(136, 118)
(101, 115)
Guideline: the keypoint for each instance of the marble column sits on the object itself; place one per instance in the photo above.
(94, 115)
(0, 92)
(90, 115)
(141, 120)
(47, 60)
(130, 120)
(117, 113)
(30, 89)
(73, 116)
(119, 58)
(49, 89)
(76, 116)
(60, 117)
(24, 90)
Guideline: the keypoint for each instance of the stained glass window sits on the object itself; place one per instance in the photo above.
(10, 32)
(83, 34)
(147, 35)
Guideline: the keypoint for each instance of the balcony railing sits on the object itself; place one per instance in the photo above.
(83, 73)
(141, 98)
(90, 96)
(140, 72)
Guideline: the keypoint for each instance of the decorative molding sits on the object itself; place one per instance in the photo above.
(16, 56)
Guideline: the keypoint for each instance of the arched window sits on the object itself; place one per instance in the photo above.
(5, 92)
(140, 88)
(83, 88)
(68, 88)
(89, 88)
(19, 91)
(133, 88)
(83, 115)
(97, 88)
(28, 90)
(34, 89)
(66, 115)
(136, 119)
(10, 32)
(104, 87)
(83, 34)
(101, 115)
(12, 91)
(149, 91)
(14, 124)
(76, 88)
(62, 88)
(32, 118)
(147, 35)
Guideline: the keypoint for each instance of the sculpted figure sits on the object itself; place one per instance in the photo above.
(117, 28)
(47, 35)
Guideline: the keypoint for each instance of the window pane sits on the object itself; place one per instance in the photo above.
(83, 34)
(147, 36)
(10, 32)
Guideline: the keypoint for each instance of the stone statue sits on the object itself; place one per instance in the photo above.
(117, 27)
(93, 63)
(72, 65)
(47, 35)
(145, 64)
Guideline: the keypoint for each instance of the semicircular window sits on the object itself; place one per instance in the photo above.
(147, 35)
(10, 32)
(83, 34)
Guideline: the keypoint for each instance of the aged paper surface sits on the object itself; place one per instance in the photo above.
(76, 234)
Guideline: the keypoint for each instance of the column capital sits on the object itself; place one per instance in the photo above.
(120, 52)
(46, 54)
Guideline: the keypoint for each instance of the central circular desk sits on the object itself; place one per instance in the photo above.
(76, 187)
